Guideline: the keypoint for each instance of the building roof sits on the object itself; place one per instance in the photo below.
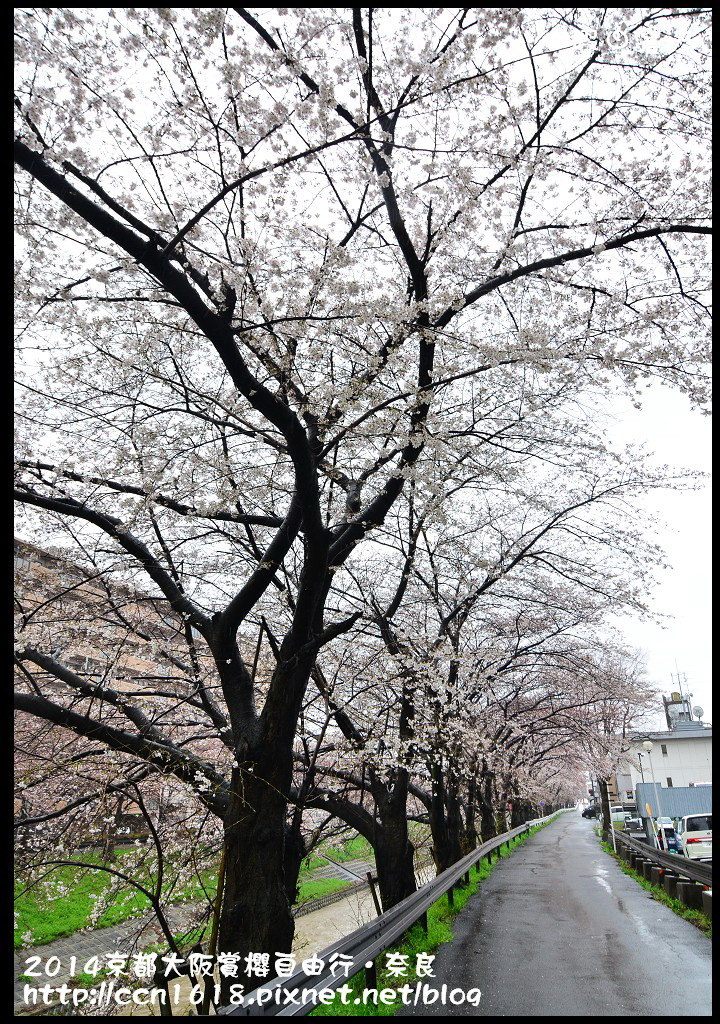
(675, 802)
(690, 731)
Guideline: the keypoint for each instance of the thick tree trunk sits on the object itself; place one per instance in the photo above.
(445, 821)
(256, 915)
(487, 809)
(394, 853)
(387, 833)
(455, 825)
(470, 839)
(605, 804)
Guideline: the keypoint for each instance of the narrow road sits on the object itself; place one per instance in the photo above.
(558, 930)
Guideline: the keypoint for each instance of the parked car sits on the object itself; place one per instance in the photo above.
(590, 812)
(695, 834)
(633, 824)
(667, 839)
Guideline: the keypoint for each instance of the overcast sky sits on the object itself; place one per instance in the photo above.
(679, 436)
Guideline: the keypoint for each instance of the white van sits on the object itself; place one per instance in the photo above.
(617, 813)
(695, 834)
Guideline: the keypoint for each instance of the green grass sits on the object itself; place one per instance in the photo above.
(48, 919)
(658, 893)
(351, 849)
(51, 918)
(312, 863)
(313, 889)
(440, 916)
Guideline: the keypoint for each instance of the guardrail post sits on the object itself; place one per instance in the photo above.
(376, 901)
(371, 975)
(707, 903)
(690, 893)
(670, 881)
(424, 921)
(451, 896)
(466, 877)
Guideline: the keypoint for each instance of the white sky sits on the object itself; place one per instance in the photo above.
(679, 436)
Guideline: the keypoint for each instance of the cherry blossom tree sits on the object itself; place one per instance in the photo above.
(483, 660)
(269, 260)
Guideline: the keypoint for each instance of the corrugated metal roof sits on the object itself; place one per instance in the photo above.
(675, 802)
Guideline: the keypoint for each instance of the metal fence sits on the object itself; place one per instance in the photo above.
(365, 944)
(694, 870)
(300, 909)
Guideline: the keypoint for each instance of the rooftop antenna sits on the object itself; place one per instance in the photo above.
(682, 677)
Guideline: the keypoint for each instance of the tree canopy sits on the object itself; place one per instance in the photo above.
(309, 300)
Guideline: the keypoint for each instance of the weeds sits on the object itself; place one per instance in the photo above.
(695, 917)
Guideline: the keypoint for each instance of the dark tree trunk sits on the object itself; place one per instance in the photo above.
(455, 825)
(445, 820)
(487, 809)
(394, 853)
(256, 915)
(470, 836)
(387, 833)
(605, 804)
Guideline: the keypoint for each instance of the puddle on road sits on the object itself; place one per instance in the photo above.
(599, 873)
(642, 930)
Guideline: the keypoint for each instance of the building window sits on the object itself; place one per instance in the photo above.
(663, 747)
(669, 782)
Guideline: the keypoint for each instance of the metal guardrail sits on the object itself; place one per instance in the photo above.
(301, 909)
(365, 944)
(694, 870)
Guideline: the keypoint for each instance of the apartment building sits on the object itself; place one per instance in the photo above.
(111, 635)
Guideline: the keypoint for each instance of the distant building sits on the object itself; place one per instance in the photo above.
(113, 636)
(55, 593)
(672, 803)
(681, 756)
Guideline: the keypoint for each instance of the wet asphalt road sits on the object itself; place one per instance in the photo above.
(558, 930)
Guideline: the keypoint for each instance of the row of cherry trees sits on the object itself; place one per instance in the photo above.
(316, 308)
